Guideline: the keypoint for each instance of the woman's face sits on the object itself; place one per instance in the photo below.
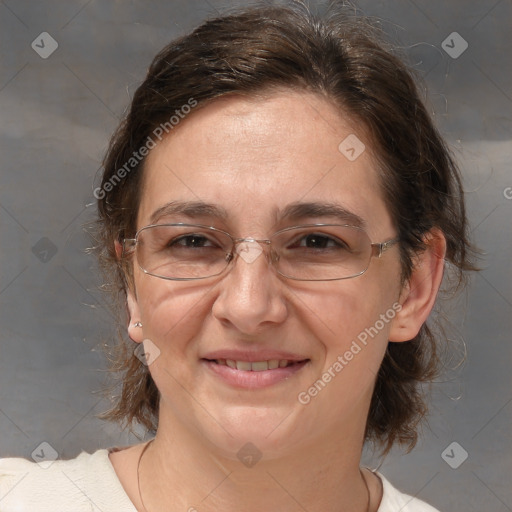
(252, 159)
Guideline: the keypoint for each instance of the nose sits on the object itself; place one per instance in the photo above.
(251, 294)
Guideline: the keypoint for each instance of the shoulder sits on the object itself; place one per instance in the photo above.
(86, 483)
(393, 500)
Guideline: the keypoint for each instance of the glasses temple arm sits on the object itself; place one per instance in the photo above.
(384, 246)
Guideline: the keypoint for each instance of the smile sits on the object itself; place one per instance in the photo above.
(254, 374)
(255, 366)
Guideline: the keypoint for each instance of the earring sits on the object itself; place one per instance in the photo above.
(137, 324)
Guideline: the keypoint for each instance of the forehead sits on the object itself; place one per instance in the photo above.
(254, 157)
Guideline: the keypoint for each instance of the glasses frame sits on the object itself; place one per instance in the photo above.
(377, 248)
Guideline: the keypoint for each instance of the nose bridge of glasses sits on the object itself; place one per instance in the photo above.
(249, 248)
(250, 239)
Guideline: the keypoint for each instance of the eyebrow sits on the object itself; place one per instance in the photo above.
(300, 211)
(191, 209)
(296, 212)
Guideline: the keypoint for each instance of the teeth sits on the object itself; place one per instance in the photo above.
(259, 366)
(255, 366)
(243, 365)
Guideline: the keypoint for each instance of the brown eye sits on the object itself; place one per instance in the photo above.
(319, 241)
(190, 241)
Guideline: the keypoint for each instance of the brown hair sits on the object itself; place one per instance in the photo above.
(343, 57)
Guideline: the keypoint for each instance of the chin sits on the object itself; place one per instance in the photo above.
(242, 430)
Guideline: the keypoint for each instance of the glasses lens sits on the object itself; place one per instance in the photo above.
(182, 251)
(322, 252)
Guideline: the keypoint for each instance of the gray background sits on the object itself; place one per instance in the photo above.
(56, 118)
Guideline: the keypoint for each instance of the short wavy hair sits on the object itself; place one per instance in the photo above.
(345, 58)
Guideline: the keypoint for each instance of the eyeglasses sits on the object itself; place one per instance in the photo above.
(313, 252)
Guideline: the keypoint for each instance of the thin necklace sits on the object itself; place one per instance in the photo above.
(144, 506)
(138, 475)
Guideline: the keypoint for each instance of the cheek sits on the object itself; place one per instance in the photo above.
(351, 323)
(344, 311)
(172, 313)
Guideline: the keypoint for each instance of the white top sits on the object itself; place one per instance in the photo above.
(89, 483)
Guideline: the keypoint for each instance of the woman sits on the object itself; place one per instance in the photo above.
(277, 208)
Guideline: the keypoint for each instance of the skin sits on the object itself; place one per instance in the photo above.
(253, 157)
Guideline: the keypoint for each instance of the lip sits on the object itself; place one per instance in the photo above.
(253, 355)
(246, 379)
(252, 379)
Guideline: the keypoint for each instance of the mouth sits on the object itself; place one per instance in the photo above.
(255, 366)
(241, 373)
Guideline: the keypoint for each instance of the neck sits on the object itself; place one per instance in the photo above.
(325, 475)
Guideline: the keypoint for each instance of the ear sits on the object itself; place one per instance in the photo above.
(419, 293)
(119, 249)
(135, 332)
